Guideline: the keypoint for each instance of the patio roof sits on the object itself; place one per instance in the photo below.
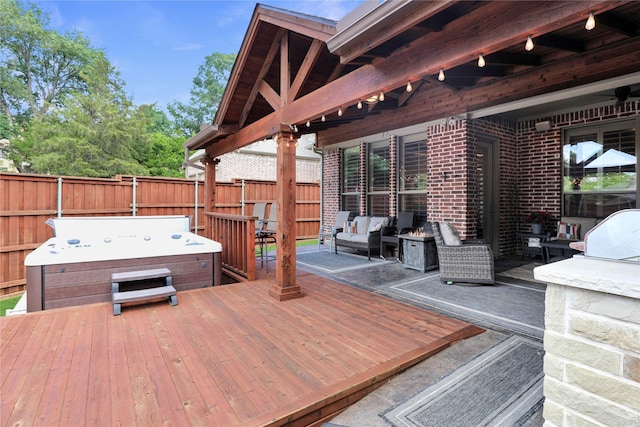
(383, 46)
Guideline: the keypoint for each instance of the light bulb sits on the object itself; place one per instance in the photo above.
(323, 119)
(340, 112)
(481, 62)
(528, 46)
(409, 87)
(441, 75)
(591, 22)
(308, 123)
(359, 105)
(381, 97)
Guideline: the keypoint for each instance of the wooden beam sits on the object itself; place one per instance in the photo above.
(285, 70)
(504, 24)
(273, 50)
(307, 64)
(270, 95)
(436, 103)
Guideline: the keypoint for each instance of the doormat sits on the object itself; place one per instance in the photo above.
(501, 387)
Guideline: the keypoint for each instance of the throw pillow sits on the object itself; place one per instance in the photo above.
(568, 231)
(450, 235)
(376, 223)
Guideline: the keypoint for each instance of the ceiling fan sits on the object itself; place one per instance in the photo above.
(623, 93)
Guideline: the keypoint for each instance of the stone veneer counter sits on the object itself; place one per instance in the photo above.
(591, 342)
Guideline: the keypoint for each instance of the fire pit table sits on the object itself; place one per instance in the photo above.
(419, 251)
(76, 265)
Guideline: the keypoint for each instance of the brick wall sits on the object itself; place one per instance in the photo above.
(447, 157)
(539, 157)
(530, 171)
(331, 183)
(244, 165)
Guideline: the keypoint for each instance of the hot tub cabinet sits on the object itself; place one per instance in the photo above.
(75, 267)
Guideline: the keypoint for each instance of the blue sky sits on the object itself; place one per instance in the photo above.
(158, 45)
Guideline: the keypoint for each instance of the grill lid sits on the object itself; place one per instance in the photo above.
(617, 237)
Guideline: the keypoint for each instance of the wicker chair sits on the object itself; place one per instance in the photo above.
(470, 261)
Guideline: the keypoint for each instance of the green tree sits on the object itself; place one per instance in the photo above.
(98, 133)
(39, 67)
(164, 155)
(206, 93)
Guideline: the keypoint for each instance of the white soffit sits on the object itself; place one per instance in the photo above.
(559, 101)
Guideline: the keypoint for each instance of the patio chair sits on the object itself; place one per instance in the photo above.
(341, 218)
(389, 235)
(468, 261)
(259, 211)
(267, 235)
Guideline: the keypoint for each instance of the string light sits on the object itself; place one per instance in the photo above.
(409, 87)
(481, 61)
(591, 22)
(441, 75)
(359, 105)
(340, 112)
(528, 46)
(323, 119)
(381, 97)
(308, 123)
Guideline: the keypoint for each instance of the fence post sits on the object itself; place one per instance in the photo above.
(134, 207)
(242, 198)
(59, 196)
(195, 230)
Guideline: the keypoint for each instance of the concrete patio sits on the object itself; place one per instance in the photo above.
(514, 279)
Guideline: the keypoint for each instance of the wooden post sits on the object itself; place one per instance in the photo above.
(209, 190)
(285, 287)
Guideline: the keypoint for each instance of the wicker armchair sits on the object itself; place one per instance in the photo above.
(469, 261)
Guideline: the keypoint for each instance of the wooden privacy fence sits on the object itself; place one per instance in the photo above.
(27, 201)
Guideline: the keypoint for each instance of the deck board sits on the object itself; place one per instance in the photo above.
(228, 355)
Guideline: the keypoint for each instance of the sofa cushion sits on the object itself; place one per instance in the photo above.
(450, 235)
(377, 222)
(362, 224)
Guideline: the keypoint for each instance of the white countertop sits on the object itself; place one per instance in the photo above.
(602, 275)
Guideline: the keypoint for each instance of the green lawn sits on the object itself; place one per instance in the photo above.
(8, 303)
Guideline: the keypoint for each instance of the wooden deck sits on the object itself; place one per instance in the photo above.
(228, 355)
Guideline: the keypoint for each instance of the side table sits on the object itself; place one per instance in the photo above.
(560, 244)
(419, 252)
(527, 248)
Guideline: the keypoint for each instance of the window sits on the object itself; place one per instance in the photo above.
(412, 176)
(351, 179)
(599, 169)
(379, 167)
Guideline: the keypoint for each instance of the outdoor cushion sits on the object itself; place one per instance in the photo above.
(362, 224)
(450, 235)
(568, 231)
(377, 222)
(586, 224)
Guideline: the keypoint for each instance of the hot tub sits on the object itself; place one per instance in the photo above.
(75, 266)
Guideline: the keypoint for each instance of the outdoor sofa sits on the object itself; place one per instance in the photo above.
(363, 233)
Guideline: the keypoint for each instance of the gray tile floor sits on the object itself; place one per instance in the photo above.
(367, 412)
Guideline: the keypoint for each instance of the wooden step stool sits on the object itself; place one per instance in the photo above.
(118, 297)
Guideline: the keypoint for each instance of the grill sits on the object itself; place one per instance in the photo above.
(617, 238)
(74, 267)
